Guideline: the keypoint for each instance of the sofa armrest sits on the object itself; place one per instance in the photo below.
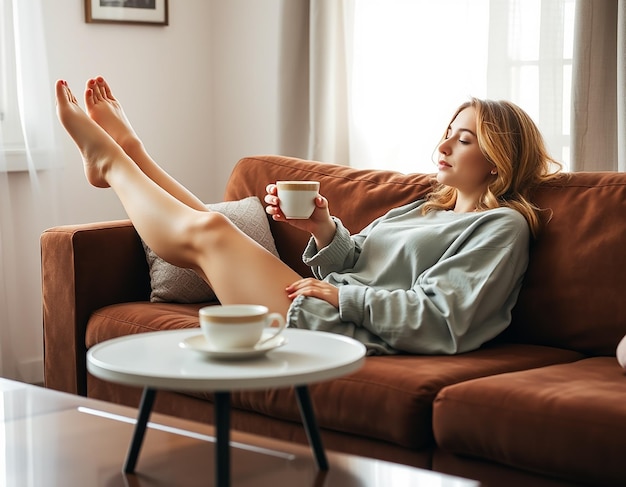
(85, 267)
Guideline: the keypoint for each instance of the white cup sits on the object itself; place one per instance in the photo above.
(235, 326)
(297, 198)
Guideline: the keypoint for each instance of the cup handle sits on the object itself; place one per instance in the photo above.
(272, 318)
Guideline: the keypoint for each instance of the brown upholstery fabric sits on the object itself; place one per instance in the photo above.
(569, 418)
(391, 397)
(139, 317)
(398, 391)
(573, 290)
(84, 267)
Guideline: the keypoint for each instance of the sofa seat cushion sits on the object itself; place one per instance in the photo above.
(563, 418)
(139, 317)
(390, 398)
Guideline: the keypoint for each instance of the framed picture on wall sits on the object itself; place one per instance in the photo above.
(151, 12)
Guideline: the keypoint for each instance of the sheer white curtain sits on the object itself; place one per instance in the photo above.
(316, 61)
(384, 76)
(599, 86)
(28, 200)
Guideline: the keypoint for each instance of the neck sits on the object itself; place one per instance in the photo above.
(466, 203)
(465, 206)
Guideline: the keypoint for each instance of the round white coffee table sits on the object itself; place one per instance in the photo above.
(156, 360)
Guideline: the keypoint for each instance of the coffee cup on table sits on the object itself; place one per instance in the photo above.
(297, 198)
(239, 326)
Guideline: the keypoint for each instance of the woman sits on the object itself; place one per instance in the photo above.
(439, 275)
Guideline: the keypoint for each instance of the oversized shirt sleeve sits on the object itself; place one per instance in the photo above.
(456, 305)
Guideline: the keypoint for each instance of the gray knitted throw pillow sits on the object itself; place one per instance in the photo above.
(175, 284)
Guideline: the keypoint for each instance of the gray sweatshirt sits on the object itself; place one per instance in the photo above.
(440, 283)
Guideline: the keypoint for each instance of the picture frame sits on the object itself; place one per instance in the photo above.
(146, 12)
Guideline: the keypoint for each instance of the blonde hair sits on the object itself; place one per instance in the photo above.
(510, 140)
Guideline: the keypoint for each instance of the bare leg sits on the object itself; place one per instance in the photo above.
(238, 269)
(107, 112)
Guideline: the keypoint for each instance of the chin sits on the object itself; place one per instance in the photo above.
(442, 177)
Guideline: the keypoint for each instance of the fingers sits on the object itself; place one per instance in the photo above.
(314, 288)
(273, 208)
(272, 201)
(321, 202)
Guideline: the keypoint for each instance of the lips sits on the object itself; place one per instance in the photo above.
(443, 164)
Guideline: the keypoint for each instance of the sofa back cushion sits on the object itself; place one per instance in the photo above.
(572, 295)
(573, 292)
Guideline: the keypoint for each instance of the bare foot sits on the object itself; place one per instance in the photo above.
(107, 112)
(97, 148)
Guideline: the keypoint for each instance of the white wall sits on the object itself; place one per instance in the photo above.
(201, 92)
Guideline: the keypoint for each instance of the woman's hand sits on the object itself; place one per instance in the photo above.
(316, 289)
(319, 224)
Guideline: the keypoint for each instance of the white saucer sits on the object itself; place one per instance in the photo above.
(199, 343)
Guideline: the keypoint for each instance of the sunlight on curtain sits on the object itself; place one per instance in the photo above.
(28, 183)
(414, 62)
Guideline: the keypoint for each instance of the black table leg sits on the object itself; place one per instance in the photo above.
(222, 439)
(311, 427)
(145, 408)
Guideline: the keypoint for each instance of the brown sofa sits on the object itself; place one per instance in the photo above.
(543, 404)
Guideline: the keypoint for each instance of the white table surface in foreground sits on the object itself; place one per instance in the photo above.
(156, 360)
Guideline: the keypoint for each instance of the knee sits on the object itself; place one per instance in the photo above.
(209, 230)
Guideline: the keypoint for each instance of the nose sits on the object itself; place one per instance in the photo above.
(444, 147)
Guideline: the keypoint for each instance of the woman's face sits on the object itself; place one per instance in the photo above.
(461, 164)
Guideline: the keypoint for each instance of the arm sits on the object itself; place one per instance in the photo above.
(343, 250)
(340, 253)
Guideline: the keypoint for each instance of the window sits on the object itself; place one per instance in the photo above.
(26, 122)
(533, 51)
(415, 62)
(11, 138)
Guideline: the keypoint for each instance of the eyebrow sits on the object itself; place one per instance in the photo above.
(462, 130)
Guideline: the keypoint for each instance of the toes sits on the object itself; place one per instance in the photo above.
(90, 99)
(63, 92)
(104, 89)
(97, 90)
(107, 89)
(59, 90)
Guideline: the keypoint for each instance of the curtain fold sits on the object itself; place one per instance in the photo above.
(34, 92)
(329, 58)
(315, 62)
(29, 197)
(598, 86)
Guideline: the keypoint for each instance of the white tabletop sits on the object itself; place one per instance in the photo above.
(156, 360)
